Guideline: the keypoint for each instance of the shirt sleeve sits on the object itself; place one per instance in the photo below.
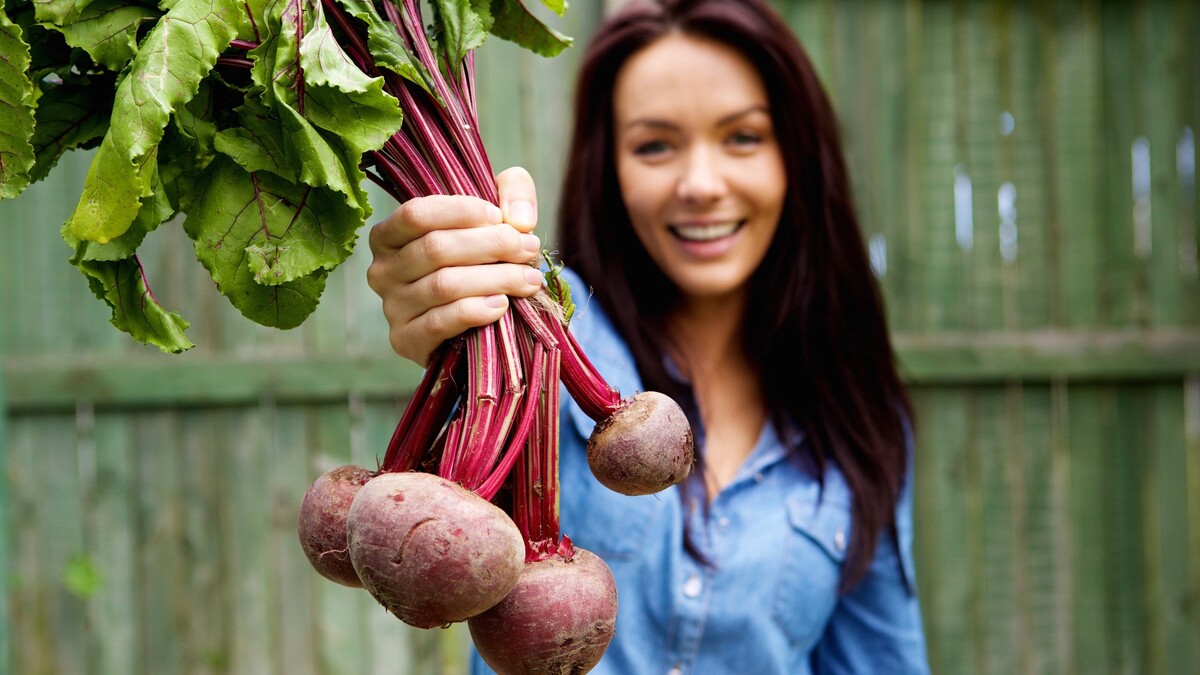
(876, 627)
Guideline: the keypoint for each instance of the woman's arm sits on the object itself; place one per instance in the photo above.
(444, 264)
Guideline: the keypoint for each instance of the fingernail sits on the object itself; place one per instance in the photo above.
(533, 276)
(495, 301)
(529, 242)
(494, 215)
(521, 212)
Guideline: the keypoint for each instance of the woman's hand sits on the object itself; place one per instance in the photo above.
(444, 264)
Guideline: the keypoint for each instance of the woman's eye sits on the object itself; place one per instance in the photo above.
(745, 138)
(651, 148)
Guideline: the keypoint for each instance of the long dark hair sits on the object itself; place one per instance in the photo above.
(815, 330)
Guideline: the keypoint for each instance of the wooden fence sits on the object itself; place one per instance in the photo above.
(1026, 175)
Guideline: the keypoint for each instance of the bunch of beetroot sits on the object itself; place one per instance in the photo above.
(460, 520)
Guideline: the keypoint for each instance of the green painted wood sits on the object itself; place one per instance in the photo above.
(1173, 649)
(161, 560)
(941, 555)
(911, 279)
(203, 468)
(30, 595)
(248, 436)
(1078, 134)
(1035, 282)
(1041, 548)
(1126, 564)
(1187, 24)
(1089, 529)
(1192, 503)
(194, 379)
(7, 578)
(294, 432)
(1005, 641)
(1122, 281)
(113, 543)
(1164, 47)
(1060, 618)
(942, 274)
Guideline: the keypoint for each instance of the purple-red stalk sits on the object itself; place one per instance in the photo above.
(586, 385)
(427, 410)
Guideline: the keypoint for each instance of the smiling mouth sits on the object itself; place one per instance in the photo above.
(703, 233)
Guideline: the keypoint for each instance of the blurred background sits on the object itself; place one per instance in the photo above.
(1026, 177)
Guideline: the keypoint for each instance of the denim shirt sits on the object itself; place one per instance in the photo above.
(768, 601)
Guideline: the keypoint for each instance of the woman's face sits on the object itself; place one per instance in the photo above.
(698, 163)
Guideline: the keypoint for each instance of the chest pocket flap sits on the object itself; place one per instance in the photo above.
(826, 524)
(806, 593)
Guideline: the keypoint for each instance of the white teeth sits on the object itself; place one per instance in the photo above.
(704, 232)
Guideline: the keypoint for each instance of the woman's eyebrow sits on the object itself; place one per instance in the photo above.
(651, 122)
(733, 117)
(667, 125)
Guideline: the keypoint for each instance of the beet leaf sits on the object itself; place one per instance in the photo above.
(255, 120)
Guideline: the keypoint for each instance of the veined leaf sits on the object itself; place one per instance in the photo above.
(465, 25)
(325, 128)
(386, 46)
(257, 143)
(514, 22)
(342, 98)
(556, 6)
(174, 57)
(59, 12)
(155, 210)
(268, 243)
(49, 53)
(107, 30)
(16, 111)
(122, 285)
(194, 124)
(69, 117)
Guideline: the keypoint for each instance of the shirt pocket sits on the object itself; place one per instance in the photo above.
(814, 551)
(612, 525)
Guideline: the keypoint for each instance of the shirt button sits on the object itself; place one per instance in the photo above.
(693, 586)
(723, 521)
(839, 540)
(758, 477)
(675, 671)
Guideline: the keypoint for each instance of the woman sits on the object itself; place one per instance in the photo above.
(708, 212)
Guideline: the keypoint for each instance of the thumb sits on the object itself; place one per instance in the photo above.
(518, 198)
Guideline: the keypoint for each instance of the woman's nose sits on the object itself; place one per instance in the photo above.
(702, 180)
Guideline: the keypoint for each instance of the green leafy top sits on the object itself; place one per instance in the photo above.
(258, 120)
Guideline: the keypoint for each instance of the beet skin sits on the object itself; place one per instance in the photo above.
(431, 551)
(643, 447)
(558, 620)
(322, 522)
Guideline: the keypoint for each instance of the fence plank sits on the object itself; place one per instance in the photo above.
(939, 547)
(1192, 506)
(1122, 283)
(7, 577)
(1167, 493)
(113, 544)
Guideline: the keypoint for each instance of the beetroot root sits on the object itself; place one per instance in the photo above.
(429, 550)
(558, 620)
(643, 447)
(322, 522)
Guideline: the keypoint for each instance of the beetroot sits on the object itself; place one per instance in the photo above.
(643, 446)
(322, 522)
(558, 620)
(429, 550)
